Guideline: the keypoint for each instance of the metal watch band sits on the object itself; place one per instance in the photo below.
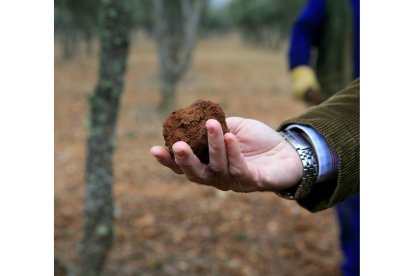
(309, 162)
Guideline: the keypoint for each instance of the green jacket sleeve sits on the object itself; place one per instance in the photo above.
(337, 119)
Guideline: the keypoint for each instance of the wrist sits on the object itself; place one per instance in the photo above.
(327, 158)
(307, 157)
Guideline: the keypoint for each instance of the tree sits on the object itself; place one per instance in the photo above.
(265, 22)
(176, 25)
(75, 21)
(216, 21)
(104, 106)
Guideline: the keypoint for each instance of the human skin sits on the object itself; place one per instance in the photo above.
(251, 157)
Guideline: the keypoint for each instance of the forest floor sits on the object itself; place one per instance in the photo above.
(166, 225)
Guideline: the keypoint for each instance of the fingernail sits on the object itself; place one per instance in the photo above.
(210, 130)
(180, 154)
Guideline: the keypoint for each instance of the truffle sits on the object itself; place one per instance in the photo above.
(188, 125)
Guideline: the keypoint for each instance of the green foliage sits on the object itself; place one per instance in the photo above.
(83, 15)
(216, 20)
(255, 14)
(141, 13)
(79, 16)
(260, 21)
(79, 20)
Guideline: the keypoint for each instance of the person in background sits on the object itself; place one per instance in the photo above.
(323, 58)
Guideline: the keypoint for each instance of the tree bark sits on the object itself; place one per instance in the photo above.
(168, 92)
(176, 25)
(104, 106)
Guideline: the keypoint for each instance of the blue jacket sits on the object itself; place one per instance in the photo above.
(307, 30)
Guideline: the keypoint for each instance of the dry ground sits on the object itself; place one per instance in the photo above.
(166, 225)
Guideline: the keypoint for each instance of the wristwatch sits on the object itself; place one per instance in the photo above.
(309, 162)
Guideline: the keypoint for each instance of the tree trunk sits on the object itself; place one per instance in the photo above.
(168, 98)
(104, 106)
(176, 25)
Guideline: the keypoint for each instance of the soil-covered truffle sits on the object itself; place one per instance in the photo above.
(188, 125)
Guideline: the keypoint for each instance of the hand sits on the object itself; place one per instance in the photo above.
(251, 157)
(313, 97)
(305, 86)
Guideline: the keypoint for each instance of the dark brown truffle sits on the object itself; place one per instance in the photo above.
(188, 125)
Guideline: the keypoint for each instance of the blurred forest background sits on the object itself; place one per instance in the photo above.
(120, 67)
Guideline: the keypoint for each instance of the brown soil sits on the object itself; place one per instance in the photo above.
(188, 125)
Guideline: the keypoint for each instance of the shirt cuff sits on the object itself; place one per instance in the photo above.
(327, 159)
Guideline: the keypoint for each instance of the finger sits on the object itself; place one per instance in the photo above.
(245, 178)
(216, 147)
(237, 163)
(189, 163)
(163, 156)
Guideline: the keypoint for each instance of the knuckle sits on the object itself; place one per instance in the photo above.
(216, 168)
(213, 147)
(184, 164)
(235, 171)
(233, 154)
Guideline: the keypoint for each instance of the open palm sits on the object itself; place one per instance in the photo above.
(252, 157)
